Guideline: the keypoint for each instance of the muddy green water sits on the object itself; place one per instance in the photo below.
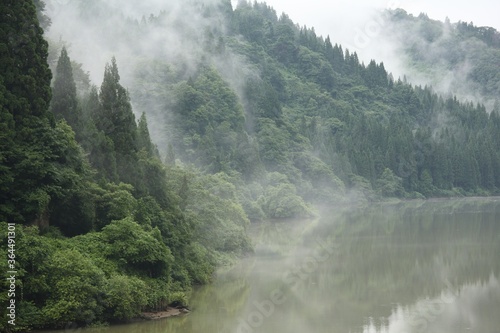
(407, 267)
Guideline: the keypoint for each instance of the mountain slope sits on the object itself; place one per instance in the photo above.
(457, 58)
(325, 121)
(245, 92)
(254, 116)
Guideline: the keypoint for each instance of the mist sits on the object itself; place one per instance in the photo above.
(161, 46)
(97, 30)
(363, 27)
(160, 40)
(177, 34)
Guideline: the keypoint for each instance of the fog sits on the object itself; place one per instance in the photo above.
(344, 19)
(159, 39)
(449, 310)
(361, 27)
(349, 265)
(94, 31)
(404, 267)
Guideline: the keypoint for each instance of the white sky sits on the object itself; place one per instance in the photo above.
(341, 19)
(321, 14)
(351, 22)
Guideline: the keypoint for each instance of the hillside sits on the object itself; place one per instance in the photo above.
(458, 58)
(308, 112)
(206, 117)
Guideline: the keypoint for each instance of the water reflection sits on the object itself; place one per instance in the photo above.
(406, 267)
(472, 308)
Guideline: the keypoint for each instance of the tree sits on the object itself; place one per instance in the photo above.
(282, 201)
(170, 158)
(117, 121)
(64, 103)
(78, 286)
(116, 118)
(125, 297)
(43, 19)
(389, 184)
(24, 73)
(143, 137)
(40, 162)
(100, 148)
(138, 249)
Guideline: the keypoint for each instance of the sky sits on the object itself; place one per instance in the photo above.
(346, 20)
(322, 14)
(355, 25)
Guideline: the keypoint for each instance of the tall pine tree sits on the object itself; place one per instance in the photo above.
(116, 118)
(64, 104)
(24, 99)
(117, 121)
(41, 165)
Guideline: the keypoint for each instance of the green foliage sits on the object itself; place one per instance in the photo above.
(143, 137)
(43, 19)
(116, 118)
(76, 287)
(64, 104)
(302, 122)
(460, 50)
(26, 125)
(281, 201)
(125, 296)
(220, 222)
(25, 78)
(134, 247)
(211, 124)
(113, 202)
(390, 185)
(273, 144)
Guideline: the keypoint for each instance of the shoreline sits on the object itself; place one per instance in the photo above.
(169, 312)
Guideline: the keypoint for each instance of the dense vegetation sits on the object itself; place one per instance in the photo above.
(315, 122)
(115, 224)
(109, 230)
(458, 57)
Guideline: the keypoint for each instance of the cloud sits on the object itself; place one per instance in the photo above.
(162, 39)
(347, 21)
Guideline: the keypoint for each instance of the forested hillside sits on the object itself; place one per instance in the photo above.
(130, 190)
(307, 113)
(460, 57)
(104, 229)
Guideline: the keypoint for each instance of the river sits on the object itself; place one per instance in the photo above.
(411, 267)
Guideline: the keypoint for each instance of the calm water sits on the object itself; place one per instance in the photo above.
(412, 267)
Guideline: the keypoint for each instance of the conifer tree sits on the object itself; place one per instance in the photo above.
(117, 121)
(116, 118)
(24, 99)
(41, 164)
(43, 19)
(64, 104)
(25, 75)
(143, 137)
(100, 148)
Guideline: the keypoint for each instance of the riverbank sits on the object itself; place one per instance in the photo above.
(169, 312)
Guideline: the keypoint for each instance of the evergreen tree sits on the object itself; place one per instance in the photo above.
(116, 118)
(143, 137)
(117, 121)
(24, 73)
(43, 19)
(100, 148)
(24, 99)
(170, 158)
(64, 104)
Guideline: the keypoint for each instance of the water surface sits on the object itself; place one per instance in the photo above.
(407, 267)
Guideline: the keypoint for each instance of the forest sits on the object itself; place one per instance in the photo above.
(130, 191)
